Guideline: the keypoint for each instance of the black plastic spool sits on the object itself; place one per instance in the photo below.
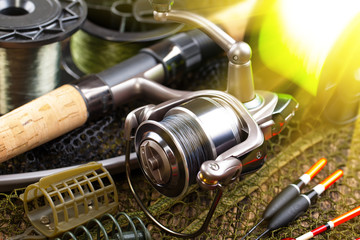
(99, 24)
(33, 23)
(121, 22)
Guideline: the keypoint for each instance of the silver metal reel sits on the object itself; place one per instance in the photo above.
(163, 157)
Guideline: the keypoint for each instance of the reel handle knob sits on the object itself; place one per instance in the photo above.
(212, 173)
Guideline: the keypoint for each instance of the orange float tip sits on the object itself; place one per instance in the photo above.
(315, 169)
(332, 178)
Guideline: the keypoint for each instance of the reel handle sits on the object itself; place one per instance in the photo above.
(240, 78)
(41, 120)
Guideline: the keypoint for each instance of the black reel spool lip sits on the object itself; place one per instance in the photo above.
(115, 36)
(47, 21)
(164, 29)
(181, 179)
(144, 12)
(68, 64)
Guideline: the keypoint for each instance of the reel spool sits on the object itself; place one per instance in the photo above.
(206, 136)
(112, 34)
(31, 32)
(172, 150)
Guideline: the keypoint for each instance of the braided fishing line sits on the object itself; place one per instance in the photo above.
(111, 34)
(193, 141)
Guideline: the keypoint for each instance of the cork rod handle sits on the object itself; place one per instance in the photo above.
(41, 120)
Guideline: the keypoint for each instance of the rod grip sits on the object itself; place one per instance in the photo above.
(41, 120)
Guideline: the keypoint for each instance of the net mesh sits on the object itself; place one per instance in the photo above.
(301, 144)
(306, 139)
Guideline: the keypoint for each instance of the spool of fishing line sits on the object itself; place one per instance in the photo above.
(31, 32)
(111, 34)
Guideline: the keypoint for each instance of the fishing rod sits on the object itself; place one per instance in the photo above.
(92, 96)
(9, 182)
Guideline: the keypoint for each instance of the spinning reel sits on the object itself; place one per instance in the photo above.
(209, 136)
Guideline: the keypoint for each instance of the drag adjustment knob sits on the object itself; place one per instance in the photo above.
(155, 162)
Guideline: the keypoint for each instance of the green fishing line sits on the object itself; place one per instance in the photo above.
(112, 34)
(92, 54)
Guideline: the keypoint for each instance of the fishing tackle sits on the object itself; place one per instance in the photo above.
(289, 193)
(133, 232)
(209, 136)
(329, 225)
(92, 96)
(31, 37)
(108, 226)
(300, 204)
(112, 34)
(61, 201)
(9, 182)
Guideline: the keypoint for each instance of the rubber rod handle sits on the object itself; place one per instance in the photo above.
(289, 212)
(284, 197)
(41, 120)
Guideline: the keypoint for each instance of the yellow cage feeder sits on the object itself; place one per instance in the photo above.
(60, 202)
